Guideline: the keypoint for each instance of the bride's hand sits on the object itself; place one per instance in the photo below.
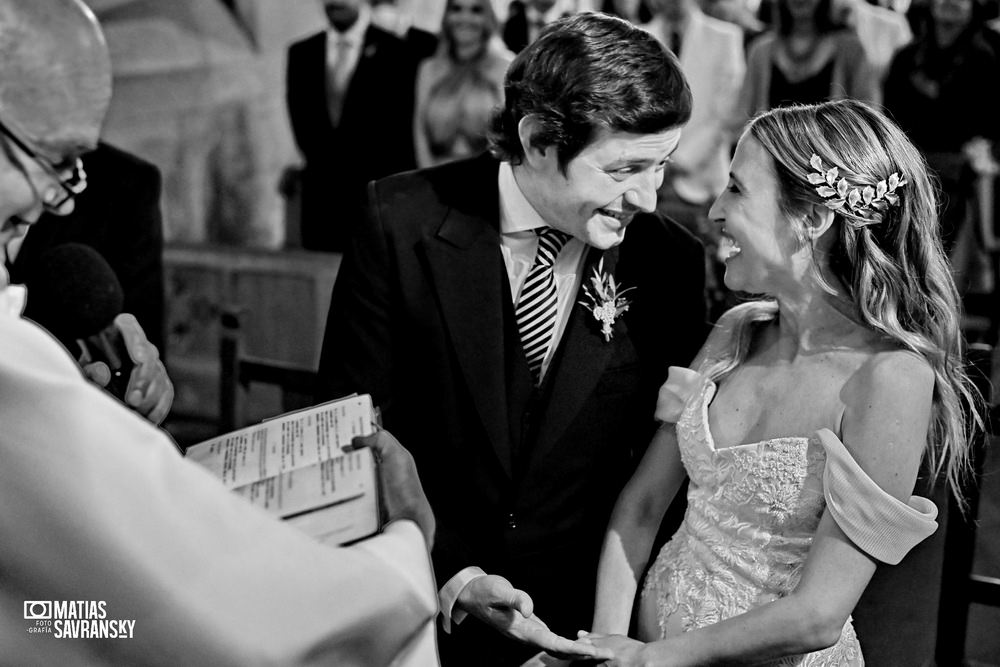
(494, 601)
(627, 652)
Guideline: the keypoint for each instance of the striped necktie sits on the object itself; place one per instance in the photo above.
(537, 305)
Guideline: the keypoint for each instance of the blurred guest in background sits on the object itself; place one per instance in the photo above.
(633, 11)
(525, 20)
(350, 101)
(935, 91)
(396, 16)
(743, 13)
(806, 57)
(711, 56)
(458, 88)
(882, 31)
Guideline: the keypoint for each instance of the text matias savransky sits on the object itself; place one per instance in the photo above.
(76, 619)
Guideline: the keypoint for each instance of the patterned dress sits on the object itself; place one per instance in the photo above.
(752, 512)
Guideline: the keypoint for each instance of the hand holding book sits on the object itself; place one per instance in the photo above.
(400, 493)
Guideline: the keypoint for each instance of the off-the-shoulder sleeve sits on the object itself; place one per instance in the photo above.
(880, 525)
(680, 385)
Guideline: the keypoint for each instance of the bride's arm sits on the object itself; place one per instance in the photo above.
(885, 429)
(641, 504)
(634, 522)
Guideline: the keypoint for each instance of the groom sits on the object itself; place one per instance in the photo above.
(466, 307)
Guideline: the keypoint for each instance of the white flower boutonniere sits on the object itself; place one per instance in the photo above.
(605, 299)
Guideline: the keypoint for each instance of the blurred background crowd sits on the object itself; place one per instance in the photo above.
(266, 120)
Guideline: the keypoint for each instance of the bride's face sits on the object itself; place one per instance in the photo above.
(762, 252)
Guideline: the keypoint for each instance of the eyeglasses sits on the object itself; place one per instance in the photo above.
(53, 200)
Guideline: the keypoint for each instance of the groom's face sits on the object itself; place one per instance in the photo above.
(604, 186)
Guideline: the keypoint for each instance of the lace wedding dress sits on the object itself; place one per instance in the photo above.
(752, 512)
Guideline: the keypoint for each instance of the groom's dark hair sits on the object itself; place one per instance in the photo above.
(584, 73)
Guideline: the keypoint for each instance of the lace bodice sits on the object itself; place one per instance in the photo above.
(752, 512)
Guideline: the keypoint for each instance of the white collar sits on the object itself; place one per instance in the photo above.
(516, 212)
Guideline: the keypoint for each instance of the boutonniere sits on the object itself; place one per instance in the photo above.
(369, 51)
(605, 299)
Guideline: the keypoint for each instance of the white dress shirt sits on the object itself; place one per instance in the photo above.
(519, 244)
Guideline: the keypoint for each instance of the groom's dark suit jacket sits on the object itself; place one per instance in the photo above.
(522, 481)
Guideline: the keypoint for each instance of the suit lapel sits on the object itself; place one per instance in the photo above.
(580, 361)
(468, 272)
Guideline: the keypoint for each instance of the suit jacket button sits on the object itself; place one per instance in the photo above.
(511, 521)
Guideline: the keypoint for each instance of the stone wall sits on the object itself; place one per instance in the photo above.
(199, 91)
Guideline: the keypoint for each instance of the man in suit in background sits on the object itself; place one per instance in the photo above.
(350, 101)
(458, 307)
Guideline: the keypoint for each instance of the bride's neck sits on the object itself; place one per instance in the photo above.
(815, 321)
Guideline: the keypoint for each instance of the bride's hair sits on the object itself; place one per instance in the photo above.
(894, 270)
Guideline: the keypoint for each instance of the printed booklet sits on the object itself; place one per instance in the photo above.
(295, 466)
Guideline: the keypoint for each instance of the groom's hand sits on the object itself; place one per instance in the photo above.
(494, 601)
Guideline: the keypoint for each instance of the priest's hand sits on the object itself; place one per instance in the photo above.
(402, 495)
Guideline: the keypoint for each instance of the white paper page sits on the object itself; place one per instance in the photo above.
(296, 440)
(331, 482)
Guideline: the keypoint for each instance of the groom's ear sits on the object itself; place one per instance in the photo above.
(535, 155)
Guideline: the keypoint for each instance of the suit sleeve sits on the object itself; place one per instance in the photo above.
(98, 506)
(358, 350)
(356, 355)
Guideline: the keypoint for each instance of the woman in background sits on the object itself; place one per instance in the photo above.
(807, 57)
(459, 86)
(936, 91)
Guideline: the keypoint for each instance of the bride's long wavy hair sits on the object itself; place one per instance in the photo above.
(894, 272)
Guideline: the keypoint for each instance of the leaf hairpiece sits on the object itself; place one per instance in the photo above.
(868, 203)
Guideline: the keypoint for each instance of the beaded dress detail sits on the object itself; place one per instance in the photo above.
(752, 512)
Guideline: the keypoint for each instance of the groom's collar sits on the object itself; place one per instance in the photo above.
(516, 212)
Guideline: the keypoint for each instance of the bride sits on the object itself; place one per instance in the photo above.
(804, 420)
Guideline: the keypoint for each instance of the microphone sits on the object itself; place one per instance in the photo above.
(75, 295)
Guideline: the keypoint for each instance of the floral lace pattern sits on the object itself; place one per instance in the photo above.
(752, 512)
